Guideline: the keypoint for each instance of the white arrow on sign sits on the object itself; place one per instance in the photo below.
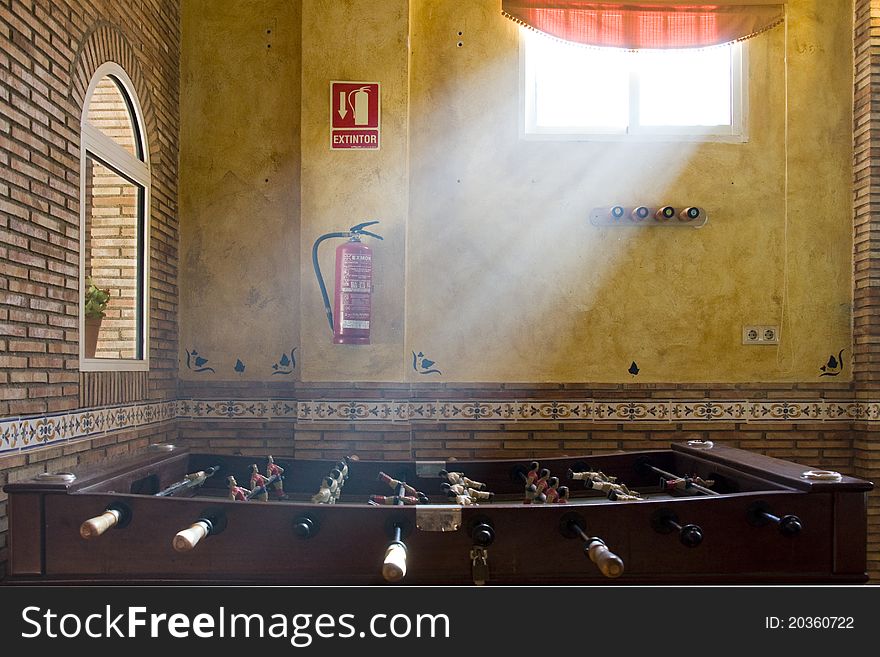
(342, 110)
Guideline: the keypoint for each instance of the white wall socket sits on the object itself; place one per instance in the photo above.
(760, 335)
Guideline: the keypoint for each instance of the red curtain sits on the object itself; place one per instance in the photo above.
(655, 24)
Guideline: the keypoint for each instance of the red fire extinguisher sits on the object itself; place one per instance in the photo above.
(350, 317)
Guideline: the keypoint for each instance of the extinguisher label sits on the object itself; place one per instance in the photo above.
(357, 272)
(356, 287)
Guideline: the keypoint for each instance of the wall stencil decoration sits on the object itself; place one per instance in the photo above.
(196, 363)
(834, 366)
(239, 366)
(633, 369)
(422, 365)
(286, 364)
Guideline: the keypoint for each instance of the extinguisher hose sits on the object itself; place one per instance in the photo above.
(328, 309)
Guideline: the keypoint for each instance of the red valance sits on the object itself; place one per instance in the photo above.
(654, 24)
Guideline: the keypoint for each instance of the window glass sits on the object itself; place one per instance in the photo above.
(109, 111)
(576, 90)
(684, 87)
(114, 207)
(115, 227)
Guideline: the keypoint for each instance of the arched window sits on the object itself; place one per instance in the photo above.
(114, 221)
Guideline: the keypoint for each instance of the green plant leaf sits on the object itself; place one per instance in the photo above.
(96, 300)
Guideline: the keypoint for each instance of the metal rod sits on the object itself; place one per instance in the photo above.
(770, 516)
(581, 532)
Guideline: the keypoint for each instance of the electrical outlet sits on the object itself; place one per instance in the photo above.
(770, 335)
(751, 335)
(767, 335)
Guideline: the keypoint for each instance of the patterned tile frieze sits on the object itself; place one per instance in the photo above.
(20, 433)
(39, 431)
(352, 411)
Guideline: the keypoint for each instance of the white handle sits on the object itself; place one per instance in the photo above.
(186, 539)
(394, 566)
(609, 563)
(99, 524)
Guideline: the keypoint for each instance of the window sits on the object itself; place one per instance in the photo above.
(115, 193)
(576, 92)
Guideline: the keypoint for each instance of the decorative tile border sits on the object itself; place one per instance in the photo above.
(535, 410)
(22, 433)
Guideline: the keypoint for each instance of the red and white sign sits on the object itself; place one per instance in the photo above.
(354, 115)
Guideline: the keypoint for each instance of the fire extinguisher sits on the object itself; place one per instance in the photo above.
(350, 316)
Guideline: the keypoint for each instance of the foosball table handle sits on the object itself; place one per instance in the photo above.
(116, 515)
(186, 539)
(665, 521)
(571, 525)
(759, 514)
(305, 526)
(790, 525)
(96, 526)
(609, 564)
(394, 565)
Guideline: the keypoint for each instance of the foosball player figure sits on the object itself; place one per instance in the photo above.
(542, 482)
(391, 500)
(618, 496)
(563, 495)
(394, 484)
(273, 469)
(552, 490)
(459, 478)
(590, 475)
(342, 466)
(602, 486)
(530, 494)
(336, 488)
(683, 483)
(259, 481)
(532, 475)
(453, 489)
(333, 484)
(323, 496)
(236, 492)
(480, 495)
(464, 500)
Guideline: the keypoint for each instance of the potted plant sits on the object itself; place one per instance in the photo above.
(95, 304)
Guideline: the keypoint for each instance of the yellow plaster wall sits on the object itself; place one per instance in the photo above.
(365, 41)
(508, 281)
(490, 267)
(239, 198)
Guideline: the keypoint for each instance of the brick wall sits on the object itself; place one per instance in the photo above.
(866, 251)
(49, 50)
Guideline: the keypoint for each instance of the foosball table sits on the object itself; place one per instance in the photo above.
(693, 514)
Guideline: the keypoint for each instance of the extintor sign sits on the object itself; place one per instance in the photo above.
(354, 115)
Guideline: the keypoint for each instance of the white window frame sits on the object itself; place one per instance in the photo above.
(735, 133)
(95, 143)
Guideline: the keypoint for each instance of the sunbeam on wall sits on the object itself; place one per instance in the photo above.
(506, 279)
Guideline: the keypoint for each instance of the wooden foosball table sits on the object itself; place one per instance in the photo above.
(693, 514)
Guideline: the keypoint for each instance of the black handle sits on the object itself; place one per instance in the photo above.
(759, 514)
(482, 533)
(305, 526)
(665, 521)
